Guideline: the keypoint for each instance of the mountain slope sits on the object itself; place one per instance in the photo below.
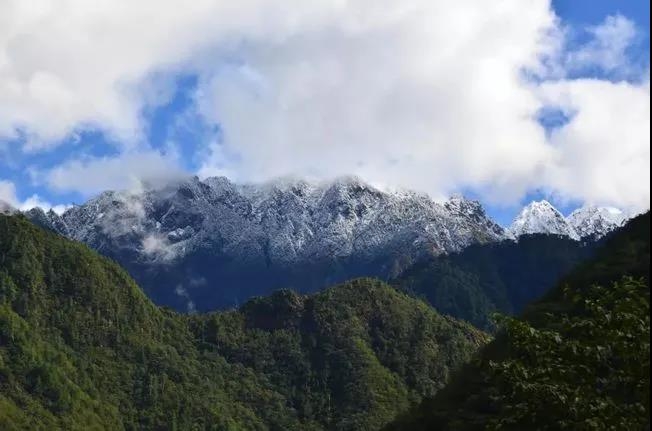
(81, 347)
(579, 358)
(214, 244)
(497, 277)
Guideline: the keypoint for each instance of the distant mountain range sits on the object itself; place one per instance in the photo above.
(588, 222)
(206, 244)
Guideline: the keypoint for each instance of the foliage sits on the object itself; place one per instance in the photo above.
(82, 348)
(592, 372)
(579, 359)
(496, 277)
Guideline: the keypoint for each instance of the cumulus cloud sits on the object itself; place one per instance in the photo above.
(432, 95)
(602, 155)
(420, 94)
(128, 171)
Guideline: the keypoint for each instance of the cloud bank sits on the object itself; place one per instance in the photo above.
(441, 96)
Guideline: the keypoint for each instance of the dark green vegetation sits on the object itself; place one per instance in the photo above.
(497, 277)
(82, 348)
(579, 359)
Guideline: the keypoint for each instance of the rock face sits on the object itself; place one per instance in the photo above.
(213, 244)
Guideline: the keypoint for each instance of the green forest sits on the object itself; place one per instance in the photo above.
(82, 348)
(577, 359)
(500, 277)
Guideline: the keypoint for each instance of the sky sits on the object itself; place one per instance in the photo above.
(504, 101)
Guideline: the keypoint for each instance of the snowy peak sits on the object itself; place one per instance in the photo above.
(590, 222)
(286, 221)
(595, 222)
(542, 217)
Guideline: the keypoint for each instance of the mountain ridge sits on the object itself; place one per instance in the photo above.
(213, 244)
(335, 230)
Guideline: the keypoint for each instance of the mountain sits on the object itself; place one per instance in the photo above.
(505, 276)
(579, 358)
(596, 222)
(214, 244)
(542, 217)
(586, 223)
(81, 347)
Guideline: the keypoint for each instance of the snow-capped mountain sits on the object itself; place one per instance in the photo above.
(216, 243)
(589, 222)
(542, 217)
(212, 243)
(283, 221)
(595, 222)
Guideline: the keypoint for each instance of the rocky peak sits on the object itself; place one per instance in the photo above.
(595, 222)
(541, 217)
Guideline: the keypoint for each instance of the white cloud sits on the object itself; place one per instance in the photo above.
(158, 246)
(8, 195)
(418, 93)
(128, 171)
(8, 192)
(602, 155)
(607, 47)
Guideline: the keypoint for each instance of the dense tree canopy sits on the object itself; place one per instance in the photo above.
(579, 359)
(82, 348)
(496, 277)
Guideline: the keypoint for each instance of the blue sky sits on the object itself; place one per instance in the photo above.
(218, 103)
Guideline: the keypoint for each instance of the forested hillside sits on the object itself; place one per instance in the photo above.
(496, 277)
(81, 347)
(579, 359)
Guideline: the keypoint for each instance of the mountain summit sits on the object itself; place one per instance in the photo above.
(590, 222)
(542, 217)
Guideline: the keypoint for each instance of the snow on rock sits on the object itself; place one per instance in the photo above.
(595, 222)
(289, 221)
(283, 222)
(542, 217)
